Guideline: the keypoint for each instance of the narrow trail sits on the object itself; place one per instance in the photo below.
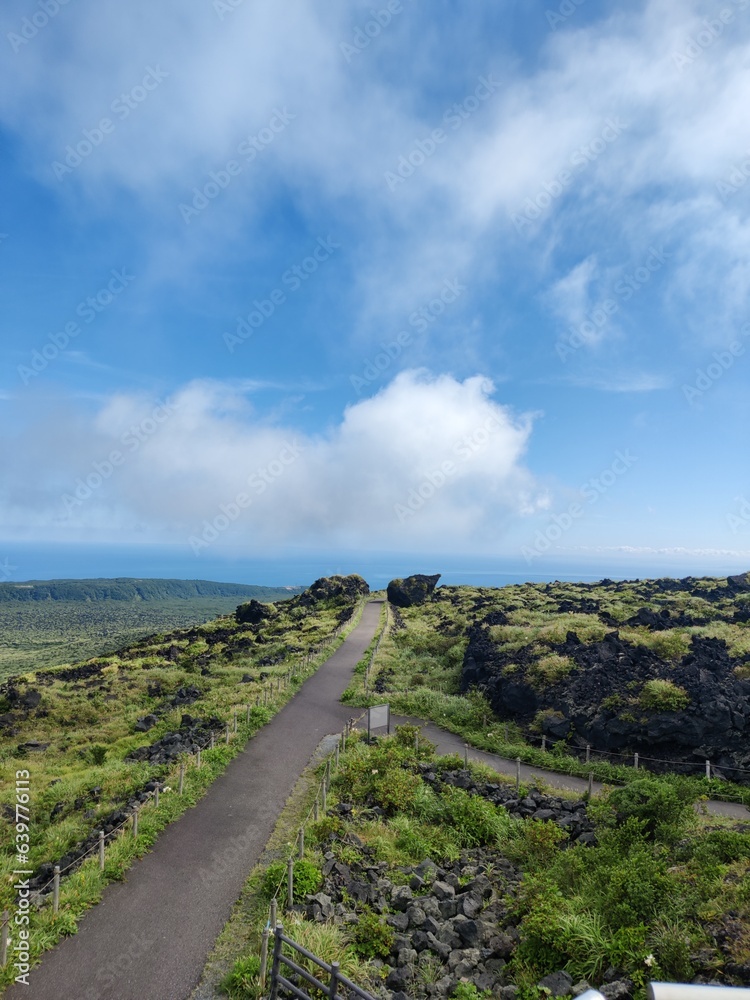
(448, 742)
(150, 936)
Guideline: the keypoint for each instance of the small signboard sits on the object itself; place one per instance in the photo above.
(377, 717)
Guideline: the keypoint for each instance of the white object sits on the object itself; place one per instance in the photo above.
(673, 991)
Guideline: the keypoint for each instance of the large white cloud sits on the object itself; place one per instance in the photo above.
(429, 461)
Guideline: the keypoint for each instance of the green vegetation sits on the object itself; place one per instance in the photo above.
(535, 632)
(127, 589)
(653, 897)
(307, 878)
(663, 696)
(85, 729)
(49, 623)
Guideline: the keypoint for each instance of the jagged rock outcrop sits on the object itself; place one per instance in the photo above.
(192, 734)
(597, 702)
(254, 612)
(412, 590)
(333, 590)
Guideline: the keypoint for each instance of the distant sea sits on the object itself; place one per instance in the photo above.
(46, 562)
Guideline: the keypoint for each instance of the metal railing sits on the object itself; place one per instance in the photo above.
(338, 986)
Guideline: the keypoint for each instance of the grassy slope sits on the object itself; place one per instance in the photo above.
(36, 634)
(76, 715)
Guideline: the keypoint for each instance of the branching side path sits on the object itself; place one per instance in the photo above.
(149, 937)
(449, 743)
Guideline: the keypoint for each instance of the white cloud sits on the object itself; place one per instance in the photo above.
(429, 460)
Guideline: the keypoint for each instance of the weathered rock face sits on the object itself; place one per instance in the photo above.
(334, 590)
(715, 725)
(412, 590)
(253, 612)
(330, 587)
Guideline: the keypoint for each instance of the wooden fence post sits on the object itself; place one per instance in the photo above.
(588, 752)
(544, 743)
(101, 849)
(518, 774)
(182, 777)
(235, 719)
(226, 734)
(591, 783)
(247, 718)
(198, 759)
(4, 939)
(56, 890)
(290, 883)
(635, 761)
(135, 821)
(466, 754)
(708, 770)
(213, 741)
(263, 957)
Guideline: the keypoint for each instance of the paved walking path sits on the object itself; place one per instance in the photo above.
(448, 742)
(149, 937)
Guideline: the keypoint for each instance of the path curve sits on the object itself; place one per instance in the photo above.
(150, 936)
(448, 742)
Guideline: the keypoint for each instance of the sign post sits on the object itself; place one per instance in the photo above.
(377, 717)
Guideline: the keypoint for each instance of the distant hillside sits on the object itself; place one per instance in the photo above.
(126, 589)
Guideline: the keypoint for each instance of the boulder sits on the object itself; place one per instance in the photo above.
(416, 589)
(253, 612)
(147, 722)
(558, 984)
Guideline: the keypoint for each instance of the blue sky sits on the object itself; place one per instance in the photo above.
(363, 285)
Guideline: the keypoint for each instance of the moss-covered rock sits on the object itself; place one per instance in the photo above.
(413, 590)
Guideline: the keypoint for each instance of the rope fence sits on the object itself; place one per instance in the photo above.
(708, 769)
(176, 776)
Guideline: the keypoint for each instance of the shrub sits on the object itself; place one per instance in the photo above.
(307, 879)
(663, 696)
(670, 644)
(468, 991)
(535, 844)
(549, 670)
(664, 810)
(476, 820)
(372, 937)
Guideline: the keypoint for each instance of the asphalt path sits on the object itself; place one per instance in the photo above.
(448, 743)
(150, 936)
